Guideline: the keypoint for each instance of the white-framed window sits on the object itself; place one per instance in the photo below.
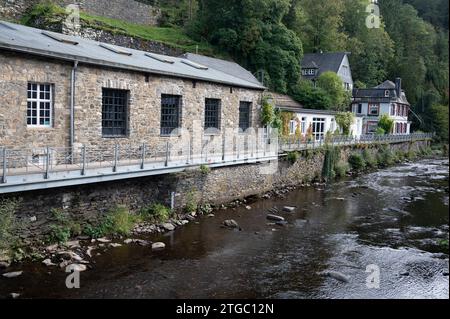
(318, 128)
(373, 109)
(39, 104)
(303, 125)
(393, 109)
(312, 72)
(371, 127)
(292, 127)
(386, 93)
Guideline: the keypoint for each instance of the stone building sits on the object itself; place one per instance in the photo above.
(63, 91)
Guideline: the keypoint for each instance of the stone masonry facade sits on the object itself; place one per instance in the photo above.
(144, 104)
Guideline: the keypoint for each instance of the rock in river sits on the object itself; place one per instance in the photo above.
(231, 223)
(158, 246)
(288, 209)
(334, 274)
(275, 217)
(168, 226)
(12, 274)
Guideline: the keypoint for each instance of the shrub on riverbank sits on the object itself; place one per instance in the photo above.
(385, 157)
(292, 157)
(156, 212)
(356, 162)
(117, 222)
(9, 225)
(341, 169)
(62, 227)
(369, 158)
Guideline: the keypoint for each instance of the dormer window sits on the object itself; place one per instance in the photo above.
(308, 72)
(386, 93)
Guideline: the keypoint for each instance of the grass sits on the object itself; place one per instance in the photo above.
(119, 221)
(62, 228)
(171, 36)
(205, 169)
(156, 212)
(292, 157)
(9, 240)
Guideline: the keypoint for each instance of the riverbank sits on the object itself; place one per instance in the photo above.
(68, 224)
(394, 217)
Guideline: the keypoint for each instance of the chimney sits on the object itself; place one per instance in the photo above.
(398, 86)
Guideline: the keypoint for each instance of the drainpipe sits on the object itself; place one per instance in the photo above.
(72, 104)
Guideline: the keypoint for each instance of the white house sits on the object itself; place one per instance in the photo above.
(386, 98)
(316, 122)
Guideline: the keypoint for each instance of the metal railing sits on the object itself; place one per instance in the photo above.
(294, 143)
(42, 164)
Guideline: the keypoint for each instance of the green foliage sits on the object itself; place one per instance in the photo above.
(345, 121)
(63, 227)
(171, 35)
(292, 157)
(9, 226)
(341, 168)
(253, 33)
(331, 158)
(311, 97)
(385, 157)
(386, 123)
(191, 202)
(369, 159)
(380, 131)
(332, 84)
(156, 212)
(439, 122)
(205, 169)
(119, 221)
(356, 162)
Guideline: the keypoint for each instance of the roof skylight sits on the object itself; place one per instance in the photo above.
(59, 38)
(194, 65)
(114, 49)
(159, 58)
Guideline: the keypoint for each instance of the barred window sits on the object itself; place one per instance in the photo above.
(170, 113)
(244, 115)
(114, 112)
(39, 105)
(212, 113)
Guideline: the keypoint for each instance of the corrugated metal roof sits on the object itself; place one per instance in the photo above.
(31, 40)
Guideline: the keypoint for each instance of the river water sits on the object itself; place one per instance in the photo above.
(395, 220)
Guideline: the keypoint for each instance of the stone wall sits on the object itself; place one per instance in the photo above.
(221, 185)
(13, 10)
(144, 109)
(128, 10)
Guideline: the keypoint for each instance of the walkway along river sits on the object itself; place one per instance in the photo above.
(394, 219)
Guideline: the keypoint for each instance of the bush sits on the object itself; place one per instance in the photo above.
(292, 157)
(118, 222)
(8, 228)
(380, 131)
(341, 169)
(356, 162)
(204, 169)
(191, 203)
(157, 212)
(63, 227)
(385, 157)
(370, 160)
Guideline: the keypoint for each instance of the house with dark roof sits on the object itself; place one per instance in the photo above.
(385, 98)
(314, 64)
(66, 92)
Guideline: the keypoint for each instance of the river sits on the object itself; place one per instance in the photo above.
(395, 220)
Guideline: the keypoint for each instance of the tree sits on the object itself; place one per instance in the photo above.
(311, 97)
(439, 121)
(345, 121)
(386, 123)
(332, 84)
